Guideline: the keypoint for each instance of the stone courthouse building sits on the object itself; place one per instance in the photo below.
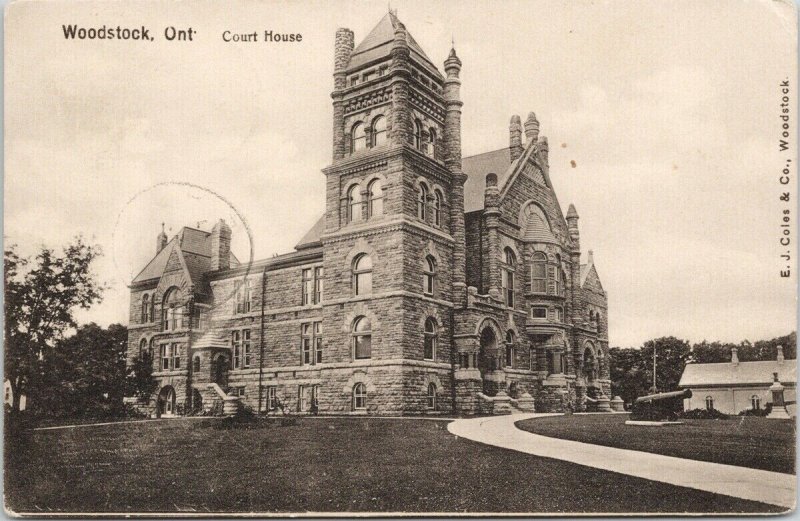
(434, 283)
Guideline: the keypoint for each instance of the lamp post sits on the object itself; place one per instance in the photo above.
(654, 389)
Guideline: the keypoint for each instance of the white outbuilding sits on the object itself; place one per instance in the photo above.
(732, 387)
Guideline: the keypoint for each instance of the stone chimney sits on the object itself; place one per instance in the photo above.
(590, 258)
(161, 241)
(780, 355)
(531, 128)
(220, 246)
(515, 137)
(734, 356)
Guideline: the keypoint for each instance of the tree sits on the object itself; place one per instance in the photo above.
(84, 374)
(628, 378)
(671, 357)
(42, 295)
(140, 381)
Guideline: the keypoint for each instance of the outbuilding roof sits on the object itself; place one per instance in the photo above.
(741, 373)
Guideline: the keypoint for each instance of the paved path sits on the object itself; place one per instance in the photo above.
(757, 485)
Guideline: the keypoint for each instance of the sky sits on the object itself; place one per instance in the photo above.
(669, 111)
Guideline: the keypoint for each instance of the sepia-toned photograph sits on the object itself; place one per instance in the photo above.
(423, 258)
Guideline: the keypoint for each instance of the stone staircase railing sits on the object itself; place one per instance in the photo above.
(230, 403)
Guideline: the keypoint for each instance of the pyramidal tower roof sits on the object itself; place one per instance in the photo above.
(378, 45)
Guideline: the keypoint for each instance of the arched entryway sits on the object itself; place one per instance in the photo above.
(589, 369)
(490, 361)
(219, 370)
(166, 401)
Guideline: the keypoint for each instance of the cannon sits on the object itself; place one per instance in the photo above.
(660, 406)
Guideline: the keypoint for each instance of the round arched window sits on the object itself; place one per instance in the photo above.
(362, 338)
(429, 351)
(362, 275)
(358, 138)
(378, 131)
(359, 396)
(432, 396)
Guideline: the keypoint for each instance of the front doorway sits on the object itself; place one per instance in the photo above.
(489, 360)
(219, 370)
(166, 401)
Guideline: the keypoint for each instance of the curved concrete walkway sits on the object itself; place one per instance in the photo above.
(757, 485)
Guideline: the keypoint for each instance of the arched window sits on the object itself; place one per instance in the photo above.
(429, 275)
(354, 204)
(563, 283)
(709, 403)
(362, 338)
(358, 138)
(539, 273)
(417, 134)
(510, 349)
(432, 396)
(142, 347)
(145, 308)
(359, 397)
(431, 142)
(422, 202)
(430, 339)
(755, 402)
(374, 198)
(172, 311)
(196, 364)
(507, 275)
(362, 275)
(242, 291)
(378, 131)
(437, 208)
(152, 347)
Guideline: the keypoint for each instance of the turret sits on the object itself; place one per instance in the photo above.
(515, 138)
(401, 132)
(572, 226)
(452, 140)
(161, 241)
(342, 50)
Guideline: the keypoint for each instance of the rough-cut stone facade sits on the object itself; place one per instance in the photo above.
(462, 274)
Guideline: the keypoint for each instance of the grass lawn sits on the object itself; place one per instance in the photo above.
(745, 441)
(317, 465)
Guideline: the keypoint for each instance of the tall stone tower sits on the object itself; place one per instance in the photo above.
(394, 225)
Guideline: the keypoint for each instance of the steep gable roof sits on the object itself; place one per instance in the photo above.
(192, 248)
(313, 237)
(378, 44)
(476, 167)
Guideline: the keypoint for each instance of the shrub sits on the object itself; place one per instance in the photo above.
(757, 412)
(703, 414)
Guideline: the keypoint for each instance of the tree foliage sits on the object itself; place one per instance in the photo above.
(632, 368)
(139, 380)
(85, 373)
(42, 295)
